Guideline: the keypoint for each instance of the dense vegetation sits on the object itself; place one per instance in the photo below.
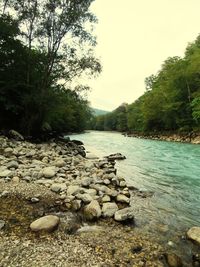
(170, 103)
(44, 46)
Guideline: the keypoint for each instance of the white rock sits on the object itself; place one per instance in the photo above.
(49, 172)
(86, 198)
(106, 198)
(5, 173)
(60, 163)
(123, 199)
(58, 187)
(47, 223)
(73, 189)
(124, 214)
(194, 234)
(109, 209)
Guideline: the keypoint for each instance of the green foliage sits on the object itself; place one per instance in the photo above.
(41, 53)
(171, 101)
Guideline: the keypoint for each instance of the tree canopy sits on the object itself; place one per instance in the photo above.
(45, 45)
(171, 101)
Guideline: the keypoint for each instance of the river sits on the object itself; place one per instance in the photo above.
(170, 170)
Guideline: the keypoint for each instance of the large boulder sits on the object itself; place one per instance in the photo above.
(109, 209)
(47, 223)
(124, 215)
(93, 210)
(194, 234)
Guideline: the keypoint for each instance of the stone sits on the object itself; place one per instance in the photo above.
(117, 156)
(122, 184)
(173, 260)
(60, 163)
(109, 209)
(8, 151)
(47, 223)
(5, 173)
(2, 224)
(58, 187)
(86, 198)
(49, 172)
(73, 189)
(105, 198)
(124, 215)
(86, 181)
(194, 234)
(15, 180)
(12, 164)
(76, 204)
(34, 200)
(91, 192)
(123, 199)
(93, 210)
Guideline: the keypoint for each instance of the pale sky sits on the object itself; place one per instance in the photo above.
(134, 38)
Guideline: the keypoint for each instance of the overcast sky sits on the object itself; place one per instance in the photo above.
(134, 38)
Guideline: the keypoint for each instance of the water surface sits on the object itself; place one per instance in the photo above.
(170, 170)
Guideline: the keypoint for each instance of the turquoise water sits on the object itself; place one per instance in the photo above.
(170, 170)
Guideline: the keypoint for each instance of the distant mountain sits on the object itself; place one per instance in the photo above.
(98, 112)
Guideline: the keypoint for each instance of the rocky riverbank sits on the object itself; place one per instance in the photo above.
(87, 204)
(193, 138)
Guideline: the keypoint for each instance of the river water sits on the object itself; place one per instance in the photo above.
(170, 170)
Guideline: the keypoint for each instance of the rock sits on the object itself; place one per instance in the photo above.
(86, 198)
(5, 173)
(77, 142)
(49, 172)
(173, 260)
(60, 163)
(8, 151)
(92, 211)
(194, 234)
(91, 192)
(34, 200)
(104, 189)
(105, 198)
(15, 135)
(47, 223)
(123, 199)
(122, 184)
(2, 224)
(109, 209)
(117, 156)
(15, 180)
(76, 204)
(73, 190)
(124, 215)
(58, 187)
(12, 164)
(86, 181)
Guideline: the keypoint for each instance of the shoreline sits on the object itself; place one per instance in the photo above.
(191, 138)
(25, 198)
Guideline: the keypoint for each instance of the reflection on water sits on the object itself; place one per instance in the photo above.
(169, 169)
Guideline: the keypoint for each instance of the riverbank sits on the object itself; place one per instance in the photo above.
(193, 138)
(54, 178)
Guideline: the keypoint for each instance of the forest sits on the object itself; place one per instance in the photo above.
(170, 103)
(46, 46)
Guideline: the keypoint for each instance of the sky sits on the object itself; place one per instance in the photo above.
(134, 38)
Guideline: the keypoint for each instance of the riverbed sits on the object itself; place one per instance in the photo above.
(171, 171)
